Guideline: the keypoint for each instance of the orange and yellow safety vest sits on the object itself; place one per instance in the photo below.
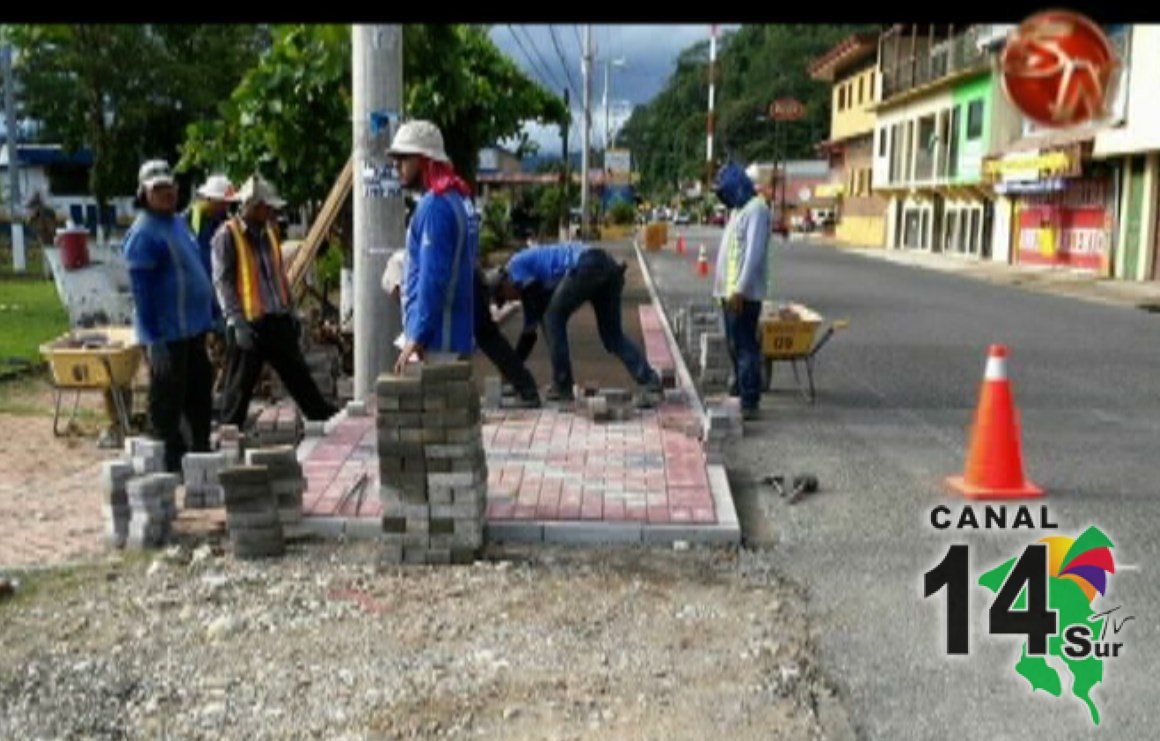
(249, 290)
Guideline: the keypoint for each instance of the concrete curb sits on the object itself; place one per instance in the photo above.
(675, 349)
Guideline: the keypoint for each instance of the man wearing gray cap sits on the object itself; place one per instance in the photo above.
(258, 307)
(173, 300)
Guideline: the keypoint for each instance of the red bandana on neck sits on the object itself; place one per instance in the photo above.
(440, 177)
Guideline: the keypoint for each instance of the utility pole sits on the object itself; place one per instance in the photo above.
(586, 69)
(712, 91)
(14, 210)
(564, 199)
(377, 85)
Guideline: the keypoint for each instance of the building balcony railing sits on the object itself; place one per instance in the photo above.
(936, 61)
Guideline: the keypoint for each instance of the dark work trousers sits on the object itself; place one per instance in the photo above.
(184, 390)
(496, 347)
(276, 342)
(745, 351)
(597, 279)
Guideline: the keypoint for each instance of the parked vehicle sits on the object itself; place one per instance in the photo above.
(719, 217)
(682, 218)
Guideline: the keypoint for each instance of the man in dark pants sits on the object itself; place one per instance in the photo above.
(553, 281)
(742, 278)
(258, 307)
(173, 301)
(498, 350)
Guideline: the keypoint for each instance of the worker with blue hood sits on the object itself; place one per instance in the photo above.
(742, 274)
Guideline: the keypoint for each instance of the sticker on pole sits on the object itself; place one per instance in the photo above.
(1059, 69)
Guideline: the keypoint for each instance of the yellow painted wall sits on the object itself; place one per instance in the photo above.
(853, 119)
(863, 231)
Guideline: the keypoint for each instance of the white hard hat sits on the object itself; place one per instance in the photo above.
(218, 188)
(258, 190)
(419, 137)
(154, 172)
(761, 174)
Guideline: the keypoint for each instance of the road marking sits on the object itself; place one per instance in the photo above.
(1129, 567)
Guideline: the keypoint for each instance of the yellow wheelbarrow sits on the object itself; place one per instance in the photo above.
(99, 359)
(790, 334)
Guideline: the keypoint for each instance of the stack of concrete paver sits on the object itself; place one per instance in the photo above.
(725, 428)
(286, 480)
(153, 508)
(715, 366)
(698, 319)
(432, 468)
(492, 392)
(230, 442)
(202, 486)
(252, 518)
(145, 455)
(115, 476)
(278, 425)
(140, 498)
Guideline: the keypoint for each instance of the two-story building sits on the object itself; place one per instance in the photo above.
(851, 67)
(1132, 145)
(941, 112)
(1063, 199)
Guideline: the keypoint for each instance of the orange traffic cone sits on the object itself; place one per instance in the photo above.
(681, 244)
(702, 263)
(995, 458)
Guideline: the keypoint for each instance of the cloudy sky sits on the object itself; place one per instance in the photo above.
(551, 56)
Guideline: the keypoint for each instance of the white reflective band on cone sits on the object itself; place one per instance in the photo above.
(996, 369)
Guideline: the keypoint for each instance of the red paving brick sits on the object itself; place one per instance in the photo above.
(551, 465)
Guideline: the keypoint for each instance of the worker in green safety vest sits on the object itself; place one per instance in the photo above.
(742, 275)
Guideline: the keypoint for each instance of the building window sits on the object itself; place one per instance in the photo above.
(869, 180)
(842, 98)
(908, 158)
(861, 81)
(953, 149)
(882, 142)
(975, 119)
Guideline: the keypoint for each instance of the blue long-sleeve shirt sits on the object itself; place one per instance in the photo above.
(442, 244)
(172, 291)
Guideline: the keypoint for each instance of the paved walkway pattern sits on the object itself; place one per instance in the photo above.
(548, 466)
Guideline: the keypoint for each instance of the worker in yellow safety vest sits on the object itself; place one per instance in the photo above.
(742, 274)
(255, 298)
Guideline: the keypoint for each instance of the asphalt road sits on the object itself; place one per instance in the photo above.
(896, 392)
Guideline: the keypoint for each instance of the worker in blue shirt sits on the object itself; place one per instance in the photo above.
(442, 244)
(174, 299)
(552, 282)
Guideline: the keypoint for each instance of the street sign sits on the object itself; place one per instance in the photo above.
(787, 109)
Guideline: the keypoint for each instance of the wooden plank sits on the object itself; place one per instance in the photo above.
(330, 210)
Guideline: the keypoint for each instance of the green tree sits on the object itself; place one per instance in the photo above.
(127, 91)
(290, 116)
(756, 65)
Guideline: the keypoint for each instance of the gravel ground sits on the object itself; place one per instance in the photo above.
(326, 643)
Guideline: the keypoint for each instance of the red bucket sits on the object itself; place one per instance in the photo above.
(74, 247)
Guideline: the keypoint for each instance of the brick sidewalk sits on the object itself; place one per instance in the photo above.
(550, 468)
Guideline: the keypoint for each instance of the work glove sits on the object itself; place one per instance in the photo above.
(242, 335)
(160, 359)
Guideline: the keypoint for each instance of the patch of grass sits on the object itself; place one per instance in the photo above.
(56, 584)
(30, 313)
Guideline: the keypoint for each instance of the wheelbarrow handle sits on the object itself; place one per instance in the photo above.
(830, 330)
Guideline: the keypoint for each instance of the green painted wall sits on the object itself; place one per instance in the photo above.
(972, 151)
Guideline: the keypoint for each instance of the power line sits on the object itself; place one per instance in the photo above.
(528, 57)
(536, 49)
(563, 61)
